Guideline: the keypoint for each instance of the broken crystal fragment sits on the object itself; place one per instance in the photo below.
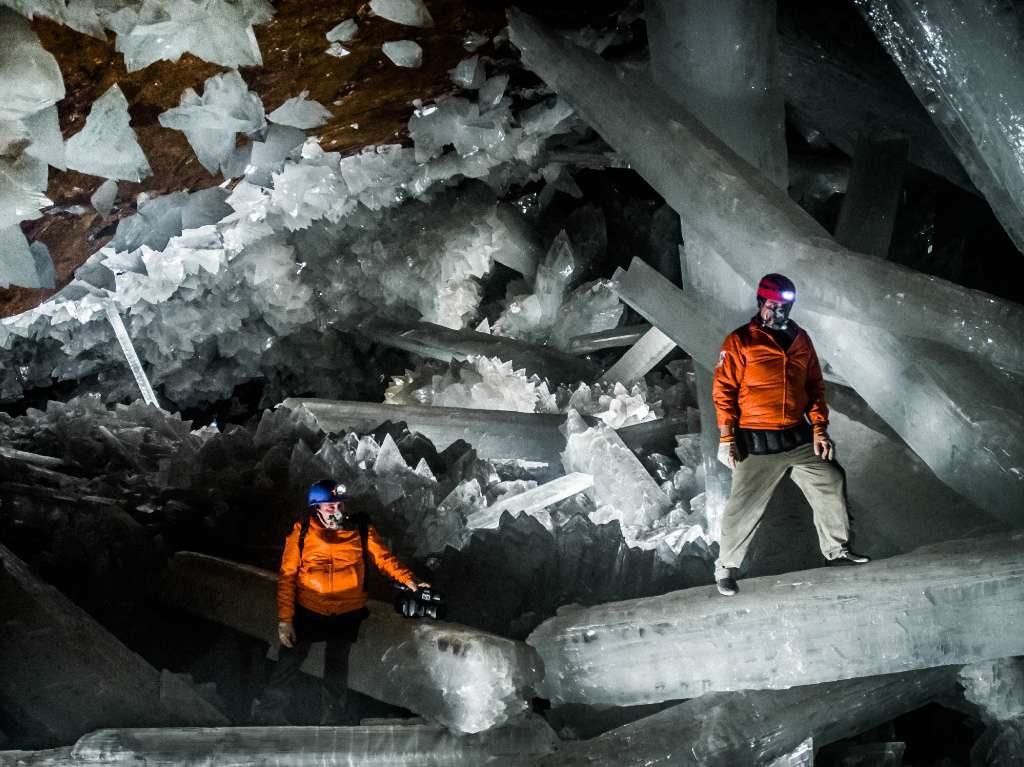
(30, 79)
(404, 53)
(623, 489)
(469, 74)
(219, 31)
(412, 13)
(531, 501)
(17, 262)
(300, 112)
(465, 679)
(912, 611)
(63, 675)
(339, 51)
(107, 145)
(640, 359)
(103, 198)
(47, 141)
(772, 228)
(343, 32)
(756, 727)
(211, 121)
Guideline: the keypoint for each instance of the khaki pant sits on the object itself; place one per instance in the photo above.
(754, 480)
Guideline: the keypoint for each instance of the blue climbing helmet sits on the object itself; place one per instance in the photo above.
(325, 491)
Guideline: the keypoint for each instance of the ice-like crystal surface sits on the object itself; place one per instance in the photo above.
(757, 727)
(640, 359)
(623, 489)
(531, 316)
(533, 501)
(465, 679)
(912, 611)
(300, 112)
(412, 13)
(772, 228)
(103, 198)
(404, 53)
(343, 32)
(30, 79)
(17, 264)
(211, 121)
(469, 73)
(965, 63)
(382, 743)
(47, 141)
(22, 183)
(492, 91)
(219, 31)
(107, 146)
(996, 687)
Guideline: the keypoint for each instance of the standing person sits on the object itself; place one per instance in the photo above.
(769, 396)
(321, 596)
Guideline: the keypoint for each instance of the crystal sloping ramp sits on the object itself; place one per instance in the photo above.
(952, 603)
(445, 344)
(372, 745)
(753, 223)
(465, 679)
(746, 728)
(62, 674)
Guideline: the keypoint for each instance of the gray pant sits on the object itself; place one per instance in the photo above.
(754, 480)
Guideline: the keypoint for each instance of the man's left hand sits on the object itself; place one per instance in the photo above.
(418, 586)
(823, 446)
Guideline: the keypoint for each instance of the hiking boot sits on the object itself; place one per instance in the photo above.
(727, 587)
(848, 557)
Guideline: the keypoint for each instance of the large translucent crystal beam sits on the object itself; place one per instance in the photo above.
(63, 675)
(719, 59)
(446, 344)
(607, 339)
(641, 358)
(533, 500)
(839, 88)
(872, 196)
(726, 729)
(134, 364)
(753, 223)
(465, 679)
(947, 604)
(372, 745)
(492, 433)
(965, 62)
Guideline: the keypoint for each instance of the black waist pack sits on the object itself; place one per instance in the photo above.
(769, 441)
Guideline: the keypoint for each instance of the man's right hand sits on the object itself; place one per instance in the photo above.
(728, 454)
(286, 633)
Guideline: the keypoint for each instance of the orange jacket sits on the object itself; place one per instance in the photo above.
(757, 385)
(329, 579)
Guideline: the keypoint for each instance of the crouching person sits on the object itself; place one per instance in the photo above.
(321, 597)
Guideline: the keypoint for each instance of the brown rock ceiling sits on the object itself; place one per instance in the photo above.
(364, 88)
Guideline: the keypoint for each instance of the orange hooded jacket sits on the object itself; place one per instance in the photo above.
(329, 579)
(757, 385)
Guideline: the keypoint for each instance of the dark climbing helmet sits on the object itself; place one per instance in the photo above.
(776, 287)
(325, 491)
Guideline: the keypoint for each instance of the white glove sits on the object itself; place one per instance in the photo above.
(286, 633)
(823, 446)
(728, 454)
